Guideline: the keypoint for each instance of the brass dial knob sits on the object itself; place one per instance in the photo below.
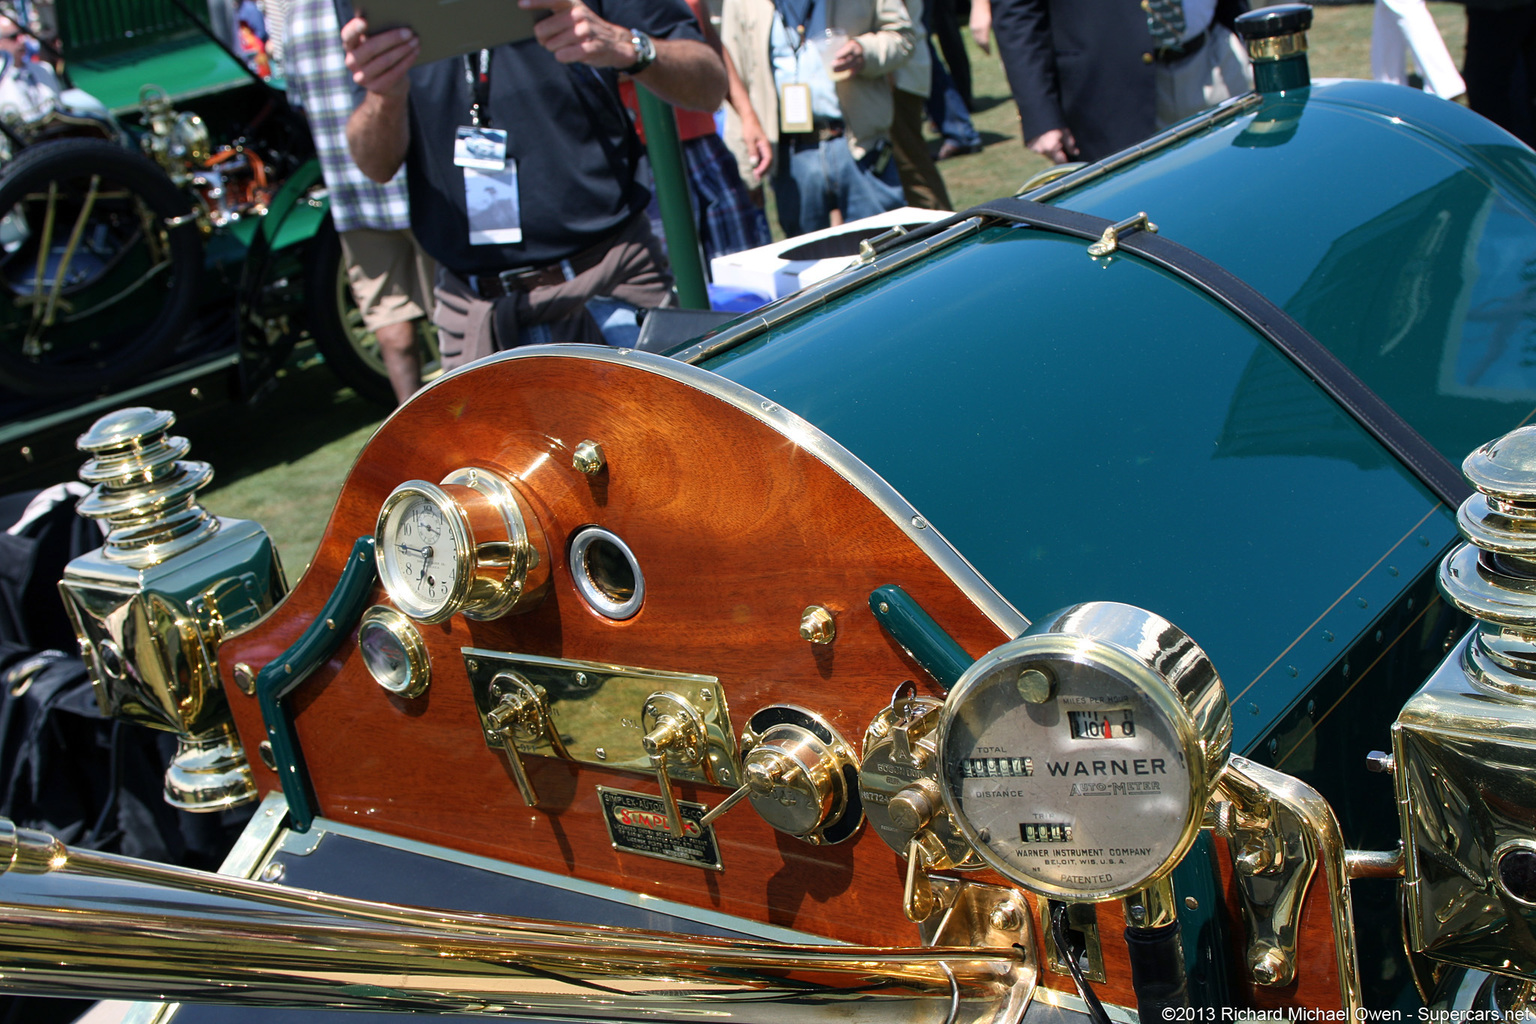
(915, 806)
(800, 776)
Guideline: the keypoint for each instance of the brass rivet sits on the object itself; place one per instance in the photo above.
(1007, 918)
(1146, 58)
(1191, 903)
(1035, 686)
(245, 678)
(601, 754)
(264, 748)
(589, 459)
(817, 625)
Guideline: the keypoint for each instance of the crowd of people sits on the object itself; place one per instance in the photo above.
(502, 193)
(824, 102)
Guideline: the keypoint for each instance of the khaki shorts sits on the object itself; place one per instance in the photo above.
(391, 277)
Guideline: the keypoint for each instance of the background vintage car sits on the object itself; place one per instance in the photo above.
(791, 540)
(204, 249)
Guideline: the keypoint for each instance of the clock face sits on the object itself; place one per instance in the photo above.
(423, 548)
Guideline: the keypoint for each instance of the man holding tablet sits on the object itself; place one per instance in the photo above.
(522, 160)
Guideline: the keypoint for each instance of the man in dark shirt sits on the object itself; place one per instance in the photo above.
(521, 163)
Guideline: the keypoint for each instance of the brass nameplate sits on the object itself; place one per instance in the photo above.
(595, 712)
(637, 823)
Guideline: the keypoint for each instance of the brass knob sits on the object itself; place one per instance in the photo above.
(915, 806)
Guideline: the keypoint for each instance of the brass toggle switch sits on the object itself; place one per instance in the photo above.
(520, 713)
(675, 735)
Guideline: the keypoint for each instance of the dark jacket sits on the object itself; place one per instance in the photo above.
(1084, 65)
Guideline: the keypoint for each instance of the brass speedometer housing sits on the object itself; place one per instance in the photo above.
(1078, 759)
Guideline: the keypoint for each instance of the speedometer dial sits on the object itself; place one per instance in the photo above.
(1078, 759)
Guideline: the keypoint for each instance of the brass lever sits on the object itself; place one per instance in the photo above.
(917, 899)
(672, 729)
(762, 777)
(521, 709)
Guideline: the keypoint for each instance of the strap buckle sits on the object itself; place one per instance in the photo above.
(1109, 241)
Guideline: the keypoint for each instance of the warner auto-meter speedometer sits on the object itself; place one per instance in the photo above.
(1078, 759)
(470, 544)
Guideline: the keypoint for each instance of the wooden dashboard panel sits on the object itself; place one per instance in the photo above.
(738, 525)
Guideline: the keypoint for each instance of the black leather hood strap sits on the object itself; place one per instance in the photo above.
(1317, 362)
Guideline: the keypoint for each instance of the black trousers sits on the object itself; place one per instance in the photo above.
(1501, 68)
(942, 19)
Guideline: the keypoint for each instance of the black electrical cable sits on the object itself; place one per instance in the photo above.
(1069, 952)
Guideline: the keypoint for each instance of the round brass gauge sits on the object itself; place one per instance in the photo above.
(1078, 759)
(471, 544)
(394, 652)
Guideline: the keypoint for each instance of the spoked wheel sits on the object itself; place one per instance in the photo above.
(100, 263)
(350, 349)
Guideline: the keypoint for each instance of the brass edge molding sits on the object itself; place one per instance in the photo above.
(258, 838)
(805, 435)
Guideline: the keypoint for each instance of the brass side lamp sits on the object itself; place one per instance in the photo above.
(151, 605)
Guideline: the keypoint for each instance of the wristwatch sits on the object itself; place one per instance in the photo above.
(645, 52)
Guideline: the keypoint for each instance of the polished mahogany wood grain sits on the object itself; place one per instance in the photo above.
(737, 528)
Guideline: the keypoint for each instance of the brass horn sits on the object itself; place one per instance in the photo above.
(80, 923)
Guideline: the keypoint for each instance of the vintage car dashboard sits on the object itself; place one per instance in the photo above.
(935, 643)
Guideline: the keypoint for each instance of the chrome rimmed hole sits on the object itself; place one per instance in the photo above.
(607, 575)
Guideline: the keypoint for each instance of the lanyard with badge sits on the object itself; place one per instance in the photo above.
(490, 177)
(795, 97)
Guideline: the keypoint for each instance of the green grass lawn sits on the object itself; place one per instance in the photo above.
(283, 461)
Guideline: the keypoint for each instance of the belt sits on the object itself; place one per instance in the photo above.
(508, 282)
(822, 130)
(1174, 54)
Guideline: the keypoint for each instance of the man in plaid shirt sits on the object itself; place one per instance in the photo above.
(391, 276)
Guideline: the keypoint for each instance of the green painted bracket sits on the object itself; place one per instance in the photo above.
(918, 635)
(282, 675)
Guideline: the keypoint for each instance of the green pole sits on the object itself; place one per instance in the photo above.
(666, 154)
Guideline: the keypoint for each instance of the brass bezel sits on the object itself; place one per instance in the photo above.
(1200, 721)
(455, 523)
(494, 575)
(403, 630)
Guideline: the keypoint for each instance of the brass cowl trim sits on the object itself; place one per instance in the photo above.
(1492, 577)
(143, 491)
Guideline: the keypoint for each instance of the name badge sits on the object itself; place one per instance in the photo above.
(494, 208)
(483, 149)
(795, 108)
